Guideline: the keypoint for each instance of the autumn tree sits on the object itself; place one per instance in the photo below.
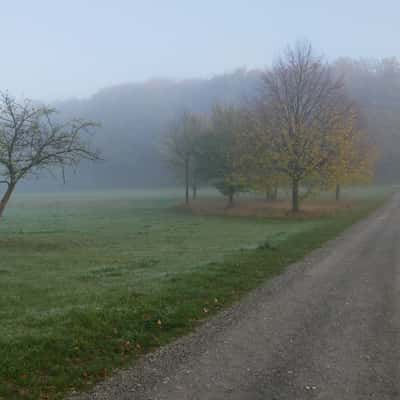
(375, 85)
(257, 163)
(220, 155)
(353, 157)
(33, 140)
(305, 106)
(182, 147)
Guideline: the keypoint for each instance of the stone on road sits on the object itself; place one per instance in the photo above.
(328, 328)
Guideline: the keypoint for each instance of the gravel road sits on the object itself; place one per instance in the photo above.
(328, 328)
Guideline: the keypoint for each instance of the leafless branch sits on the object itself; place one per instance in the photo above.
(31, 139)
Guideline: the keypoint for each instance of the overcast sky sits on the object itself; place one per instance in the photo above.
(54, 49)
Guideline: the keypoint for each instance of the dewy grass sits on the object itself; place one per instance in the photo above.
(87, 285)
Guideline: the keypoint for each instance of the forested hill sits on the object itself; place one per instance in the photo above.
(134, 118)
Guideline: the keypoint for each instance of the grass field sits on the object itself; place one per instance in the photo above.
(89, 281)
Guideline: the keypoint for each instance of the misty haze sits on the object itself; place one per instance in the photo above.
(199, 200)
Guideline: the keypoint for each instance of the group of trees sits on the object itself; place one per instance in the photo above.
(302, 131)
(298, 130)
(134, 117)
(204, 150)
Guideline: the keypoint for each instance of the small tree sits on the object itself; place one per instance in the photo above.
(353, 158)
(181, 147)
(305, 106)
(220, 151)
(31, 141)
(258, 166)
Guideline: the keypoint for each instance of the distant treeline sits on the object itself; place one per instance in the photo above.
(135, 118)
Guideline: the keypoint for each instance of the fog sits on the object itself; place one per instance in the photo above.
(103, 61)
(56, 50)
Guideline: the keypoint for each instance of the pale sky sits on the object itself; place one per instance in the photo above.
(55, 49)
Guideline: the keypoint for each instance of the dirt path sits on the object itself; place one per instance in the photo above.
(329, 328)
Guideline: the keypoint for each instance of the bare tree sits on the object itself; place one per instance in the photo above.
(182, 140)
(305, 104)
(32, 140)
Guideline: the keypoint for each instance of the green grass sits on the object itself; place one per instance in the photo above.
(88, 282)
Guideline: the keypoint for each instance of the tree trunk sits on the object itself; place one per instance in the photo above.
(271, 194)
(337, 194)
(275, 193)
(295, 195)
(194, 186)
(7, 195)
(231, 198)
(187, 181)
(194, 191)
